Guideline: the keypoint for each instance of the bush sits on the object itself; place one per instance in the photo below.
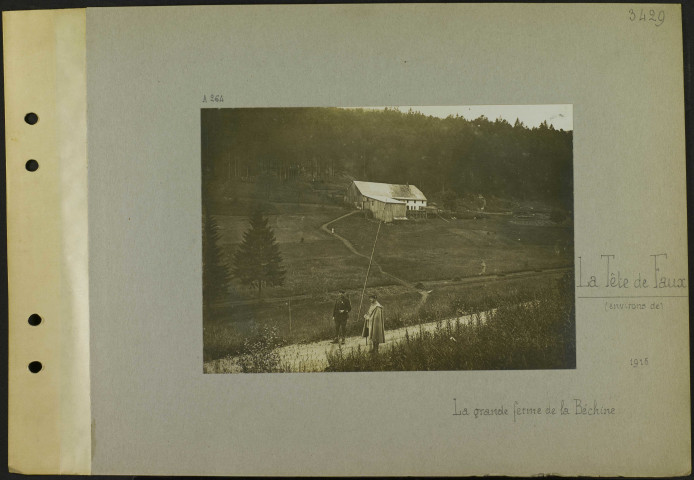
(258, 351)
(536, 334)
(221, 340)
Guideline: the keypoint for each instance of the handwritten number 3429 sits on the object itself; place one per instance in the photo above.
(650, 16)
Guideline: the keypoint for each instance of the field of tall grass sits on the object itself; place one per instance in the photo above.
(315, 261)
(311, 316)
(535, 333)
(433, 249)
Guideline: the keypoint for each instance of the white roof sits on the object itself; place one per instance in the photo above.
(383, 199)
(389, 190)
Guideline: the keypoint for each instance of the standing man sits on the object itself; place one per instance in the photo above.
(340, 315)
(374, 320)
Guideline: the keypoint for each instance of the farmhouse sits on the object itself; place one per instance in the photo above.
(387, 201)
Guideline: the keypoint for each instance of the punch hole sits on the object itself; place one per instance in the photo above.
(35, 319)
(32, 165)
(31, 118)
(35, 367)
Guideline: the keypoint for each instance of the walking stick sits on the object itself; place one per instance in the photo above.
(366, 280)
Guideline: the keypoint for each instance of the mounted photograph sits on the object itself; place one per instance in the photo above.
(399, 238)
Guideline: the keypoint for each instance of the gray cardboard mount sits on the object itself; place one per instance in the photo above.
(153, 409)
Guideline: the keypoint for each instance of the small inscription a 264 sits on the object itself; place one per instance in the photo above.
(655, 17)
(213, 98)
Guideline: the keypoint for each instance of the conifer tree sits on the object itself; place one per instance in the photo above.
(216, 275)
(257, 261)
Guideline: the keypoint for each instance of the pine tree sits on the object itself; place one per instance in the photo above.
(216, 276)
(258, 262)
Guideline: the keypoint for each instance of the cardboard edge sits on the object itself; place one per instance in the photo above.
(49, 418)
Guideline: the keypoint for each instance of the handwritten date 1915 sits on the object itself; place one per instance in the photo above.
(639, 362)
(641, 15)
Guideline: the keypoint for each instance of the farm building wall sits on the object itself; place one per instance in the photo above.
(385, 212)
(353, 196)
(415, 204)
(398, 210)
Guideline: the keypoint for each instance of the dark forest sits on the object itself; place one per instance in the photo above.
(334, 146)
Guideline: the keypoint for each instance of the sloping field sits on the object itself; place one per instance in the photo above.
(315, 261)
(428, 254)
(482, 238)
(432, 249)
(416, 251)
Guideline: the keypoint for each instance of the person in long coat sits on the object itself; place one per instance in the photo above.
(374, 320)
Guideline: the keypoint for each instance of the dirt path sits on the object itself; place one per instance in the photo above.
(352, 249)
(312, 357)
(347, 243)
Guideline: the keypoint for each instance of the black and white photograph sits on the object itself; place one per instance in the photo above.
(404, 238)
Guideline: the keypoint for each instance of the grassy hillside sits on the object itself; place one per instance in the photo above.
(417, 251)
(434, 249)
(432, 252)
(317, 265)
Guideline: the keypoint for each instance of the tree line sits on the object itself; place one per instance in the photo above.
(480, 156)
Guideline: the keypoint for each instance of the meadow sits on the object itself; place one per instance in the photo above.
(434, 254)
(311, 316)
(433, 249)
(316, 263)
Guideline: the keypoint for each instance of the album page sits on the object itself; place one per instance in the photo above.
(348, 240)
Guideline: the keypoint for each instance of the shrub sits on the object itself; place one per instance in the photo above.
(258, 351)
(221, 340)
(539, 333)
